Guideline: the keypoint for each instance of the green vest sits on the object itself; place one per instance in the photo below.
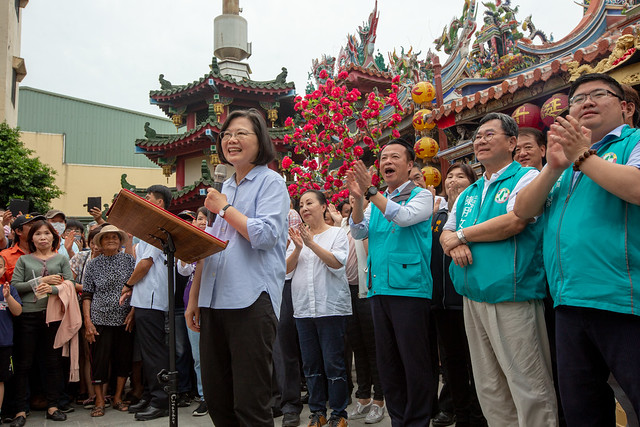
(399, 257)
(506, 270)
(592, 238)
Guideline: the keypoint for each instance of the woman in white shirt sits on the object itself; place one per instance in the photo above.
(321, 304)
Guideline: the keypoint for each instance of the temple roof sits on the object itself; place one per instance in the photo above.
(540, 73)
(213, 83)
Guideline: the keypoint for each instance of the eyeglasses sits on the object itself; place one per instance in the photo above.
(239, 135)
(595, 95)
(486, 136)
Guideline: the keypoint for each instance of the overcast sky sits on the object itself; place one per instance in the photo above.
(111, 51)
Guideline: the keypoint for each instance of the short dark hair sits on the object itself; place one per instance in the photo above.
(35, 226)
(597, 77)
(74, 223)
(466, 169)
(93, 233)
(161, 192)
(411, 155)
(631, 96)
(342, 203)
(202, 210)
(508, 124)
(266, 149)
(320, 197)
(536, 134)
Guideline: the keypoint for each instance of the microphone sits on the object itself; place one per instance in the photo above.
(219, 175)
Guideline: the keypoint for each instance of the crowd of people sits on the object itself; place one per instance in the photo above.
(501, 288)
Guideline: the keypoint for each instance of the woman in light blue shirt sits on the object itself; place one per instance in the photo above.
(236, 293)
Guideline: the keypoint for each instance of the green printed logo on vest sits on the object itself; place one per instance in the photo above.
(502, 195)
(610, 157)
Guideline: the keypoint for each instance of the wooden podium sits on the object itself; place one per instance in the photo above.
(149, 222)
(175, 237)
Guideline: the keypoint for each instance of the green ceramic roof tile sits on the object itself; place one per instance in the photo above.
(163, 139)
(272, 85)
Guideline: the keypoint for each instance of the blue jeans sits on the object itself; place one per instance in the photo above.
(194, 339)
(322, 347)
(183, 353)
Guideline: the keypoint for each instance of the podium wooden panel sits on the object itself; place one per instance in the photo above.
(145, 220)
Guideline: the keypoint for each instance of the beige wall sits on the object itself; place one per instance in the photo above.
(82, 181)
(193, 169)
(9, 37)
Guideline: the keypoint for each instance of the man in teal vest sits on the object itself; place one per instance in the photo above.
(497, 269)
(398, 225)
(592, 248)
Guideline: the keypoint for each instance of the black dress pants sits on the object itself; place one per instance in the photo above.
(236, 350)
(404, 358)
(154, 349)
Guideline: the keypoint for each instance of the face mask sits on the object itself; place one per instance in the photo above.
(59, 227)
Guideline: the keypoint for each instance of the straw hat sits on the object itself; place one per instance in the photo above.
(97, 240)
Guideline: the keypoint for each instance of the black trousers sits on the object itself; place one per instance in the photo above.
(361, 338)
(153, 339)
(404, 359)
(236, 347)
(113, 348)
(286, 356)
(591, 344)
(455, 357)
(33, 339)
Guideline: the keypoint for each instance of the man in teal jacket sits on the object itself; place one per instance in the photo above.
(592, 248)
(497, 269)
(398, 225)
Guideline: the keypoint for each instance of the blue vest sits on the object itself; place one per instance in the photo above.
(592, 238)
(399, 256)
(505, 270)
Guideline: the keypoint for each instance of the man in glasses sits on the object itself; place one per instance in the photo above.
(589, 192)
(496, 269)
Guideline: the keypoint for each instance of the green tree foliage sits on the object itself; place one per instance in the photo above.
(23, 176)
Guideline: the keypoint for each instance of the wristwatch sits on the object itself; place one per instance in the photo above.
(371, 191)
(224, 210)
(461, 237)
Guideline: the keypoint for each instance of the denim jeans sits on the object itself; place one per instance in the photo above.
(183, 353)
(194, 340)
(322, 347)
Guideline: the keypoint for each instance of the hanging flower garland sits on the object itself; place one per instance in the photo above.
(323, 138)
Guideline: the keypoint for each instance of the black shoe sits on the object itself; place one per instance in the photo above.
(443, 419)
(291, 419)
(276, 412)
(66, 408)
(183, 400)
(56, 416)
(140, 406)
(18, 421)
(201, 409)
(151, 413)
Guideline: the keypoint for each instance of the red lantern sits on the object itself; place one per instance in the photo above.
(553, 107)
(527, 116)
(426, 148)
(432, 176)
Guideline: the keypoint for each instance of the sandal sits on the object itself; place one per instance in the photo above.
(89, 403)
(97, 411)
(120, 406)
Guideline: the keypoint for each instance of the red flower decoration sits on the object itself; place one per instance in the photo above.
(286, 162)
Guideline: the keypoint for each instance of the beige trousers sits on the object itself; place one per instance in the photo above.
(511, 363)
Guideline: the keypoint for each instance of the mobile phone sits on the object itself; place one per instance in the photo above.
(94, 202)
(18, 205)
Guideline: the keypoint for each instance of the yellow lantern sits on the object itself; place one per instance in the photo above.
(426, 148)
(423, 92)
(432, 176)
(420, 120)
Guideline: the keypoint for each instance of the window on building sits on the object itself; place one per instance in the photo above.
(14, 86)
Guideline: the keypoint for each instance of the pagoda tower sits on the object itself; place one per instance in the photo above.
(199, 108)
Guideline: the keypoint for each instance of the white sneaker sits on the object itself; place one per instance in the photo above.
(375, 415)
(360, 411)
